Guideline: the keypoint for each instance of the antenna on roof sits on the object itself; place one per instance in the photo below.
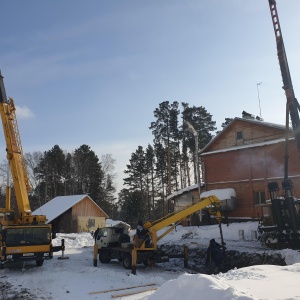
(258, 97)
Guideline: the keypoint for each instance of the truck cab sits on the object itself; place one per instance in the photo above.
(114, 235)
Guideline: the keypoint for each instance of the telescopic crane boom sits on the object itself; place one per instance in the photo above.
(15, 153)
(27, 236)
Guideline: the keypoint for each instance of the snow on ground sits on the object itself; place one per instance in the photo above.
(76, 277)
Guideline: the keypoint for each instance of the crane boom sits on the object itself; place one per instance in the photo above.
(173, 218)
(114, 241)
(14, 151)
(26, 237)
(292, 102)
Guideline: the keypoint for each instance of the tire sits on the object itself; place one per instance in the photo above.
(124, 238)
(39, 262)
(127, 261)
(146, 262)
(104, 257)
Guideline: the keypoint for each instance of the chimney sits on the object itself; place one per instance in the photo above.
(259, 118)
(247, 116)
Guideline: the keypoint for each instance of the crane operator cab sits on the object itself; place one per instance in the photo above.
(6, 216)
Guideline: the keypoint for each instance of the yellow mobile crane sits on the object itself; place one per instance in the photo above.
(114, 242)
(23, 236)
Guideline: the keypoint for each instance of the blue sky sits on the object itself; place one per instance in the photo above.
(92, 72)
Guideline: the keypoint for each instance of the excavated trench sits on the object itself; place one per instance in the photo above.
(233, 259)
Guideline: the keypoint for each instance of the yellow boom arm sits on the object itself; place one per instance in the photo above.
(175, 217)
(16, 158)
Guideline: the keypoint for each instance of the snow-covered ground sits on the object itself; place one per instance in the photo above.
(76, 277)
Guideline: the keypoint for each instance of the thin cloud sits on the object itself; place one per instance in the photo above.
(23, 112)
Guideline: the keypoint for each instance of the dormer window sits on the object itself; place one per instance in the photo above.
(239, 135)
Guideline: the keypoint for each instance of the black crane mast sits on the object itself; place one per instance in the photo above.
(292, 103)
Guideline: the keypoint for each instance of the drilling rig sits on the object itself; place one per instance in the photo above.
(284, 230)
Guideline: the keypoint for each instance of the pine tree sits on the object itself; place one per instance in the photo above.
(88, 174)
(108, 186)
(202, 122)
(136, 170)
(165, 131)
(50, 174)
(132, 206)
(161, 173)
(150, 167)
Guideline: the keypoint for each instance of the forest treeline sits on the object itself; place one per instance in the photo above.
(60, 173)
(166, 165)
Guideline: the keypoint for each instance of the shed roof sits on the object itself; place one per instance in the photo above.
(221, 194)
(59, 205)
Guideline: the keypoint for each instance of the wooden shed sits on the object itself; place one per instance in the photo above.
(76, 213)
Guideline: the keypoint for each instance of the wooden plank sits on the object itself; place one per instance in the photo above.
(133, 293)
(119, 289)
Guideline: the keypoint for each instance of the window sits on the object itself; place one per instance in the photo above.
(28, 236)
(239, 135)
(91, 223)
(259, 198)
(102, 232)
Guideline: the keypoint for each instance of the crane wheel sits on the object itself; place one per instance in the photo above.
(39, 262)
(104, 257)
(127, 261)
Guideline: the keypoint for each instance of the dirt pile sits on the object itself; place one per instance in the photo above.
(7, 292)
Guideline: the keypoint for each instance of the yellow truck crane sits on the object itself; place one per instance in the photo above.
(23, 236)
(114, 242)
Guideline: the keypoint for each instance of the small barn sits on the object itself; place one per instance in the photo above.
(76, 213)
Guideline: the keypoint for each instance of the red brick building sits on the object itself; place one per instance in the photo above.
(246, 156)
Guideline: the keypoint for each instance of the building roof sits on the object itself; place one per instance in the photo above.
(116, 223)
(270, 142)
(234, 121)
(59, 205)
(182, 191)
(222, 194)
